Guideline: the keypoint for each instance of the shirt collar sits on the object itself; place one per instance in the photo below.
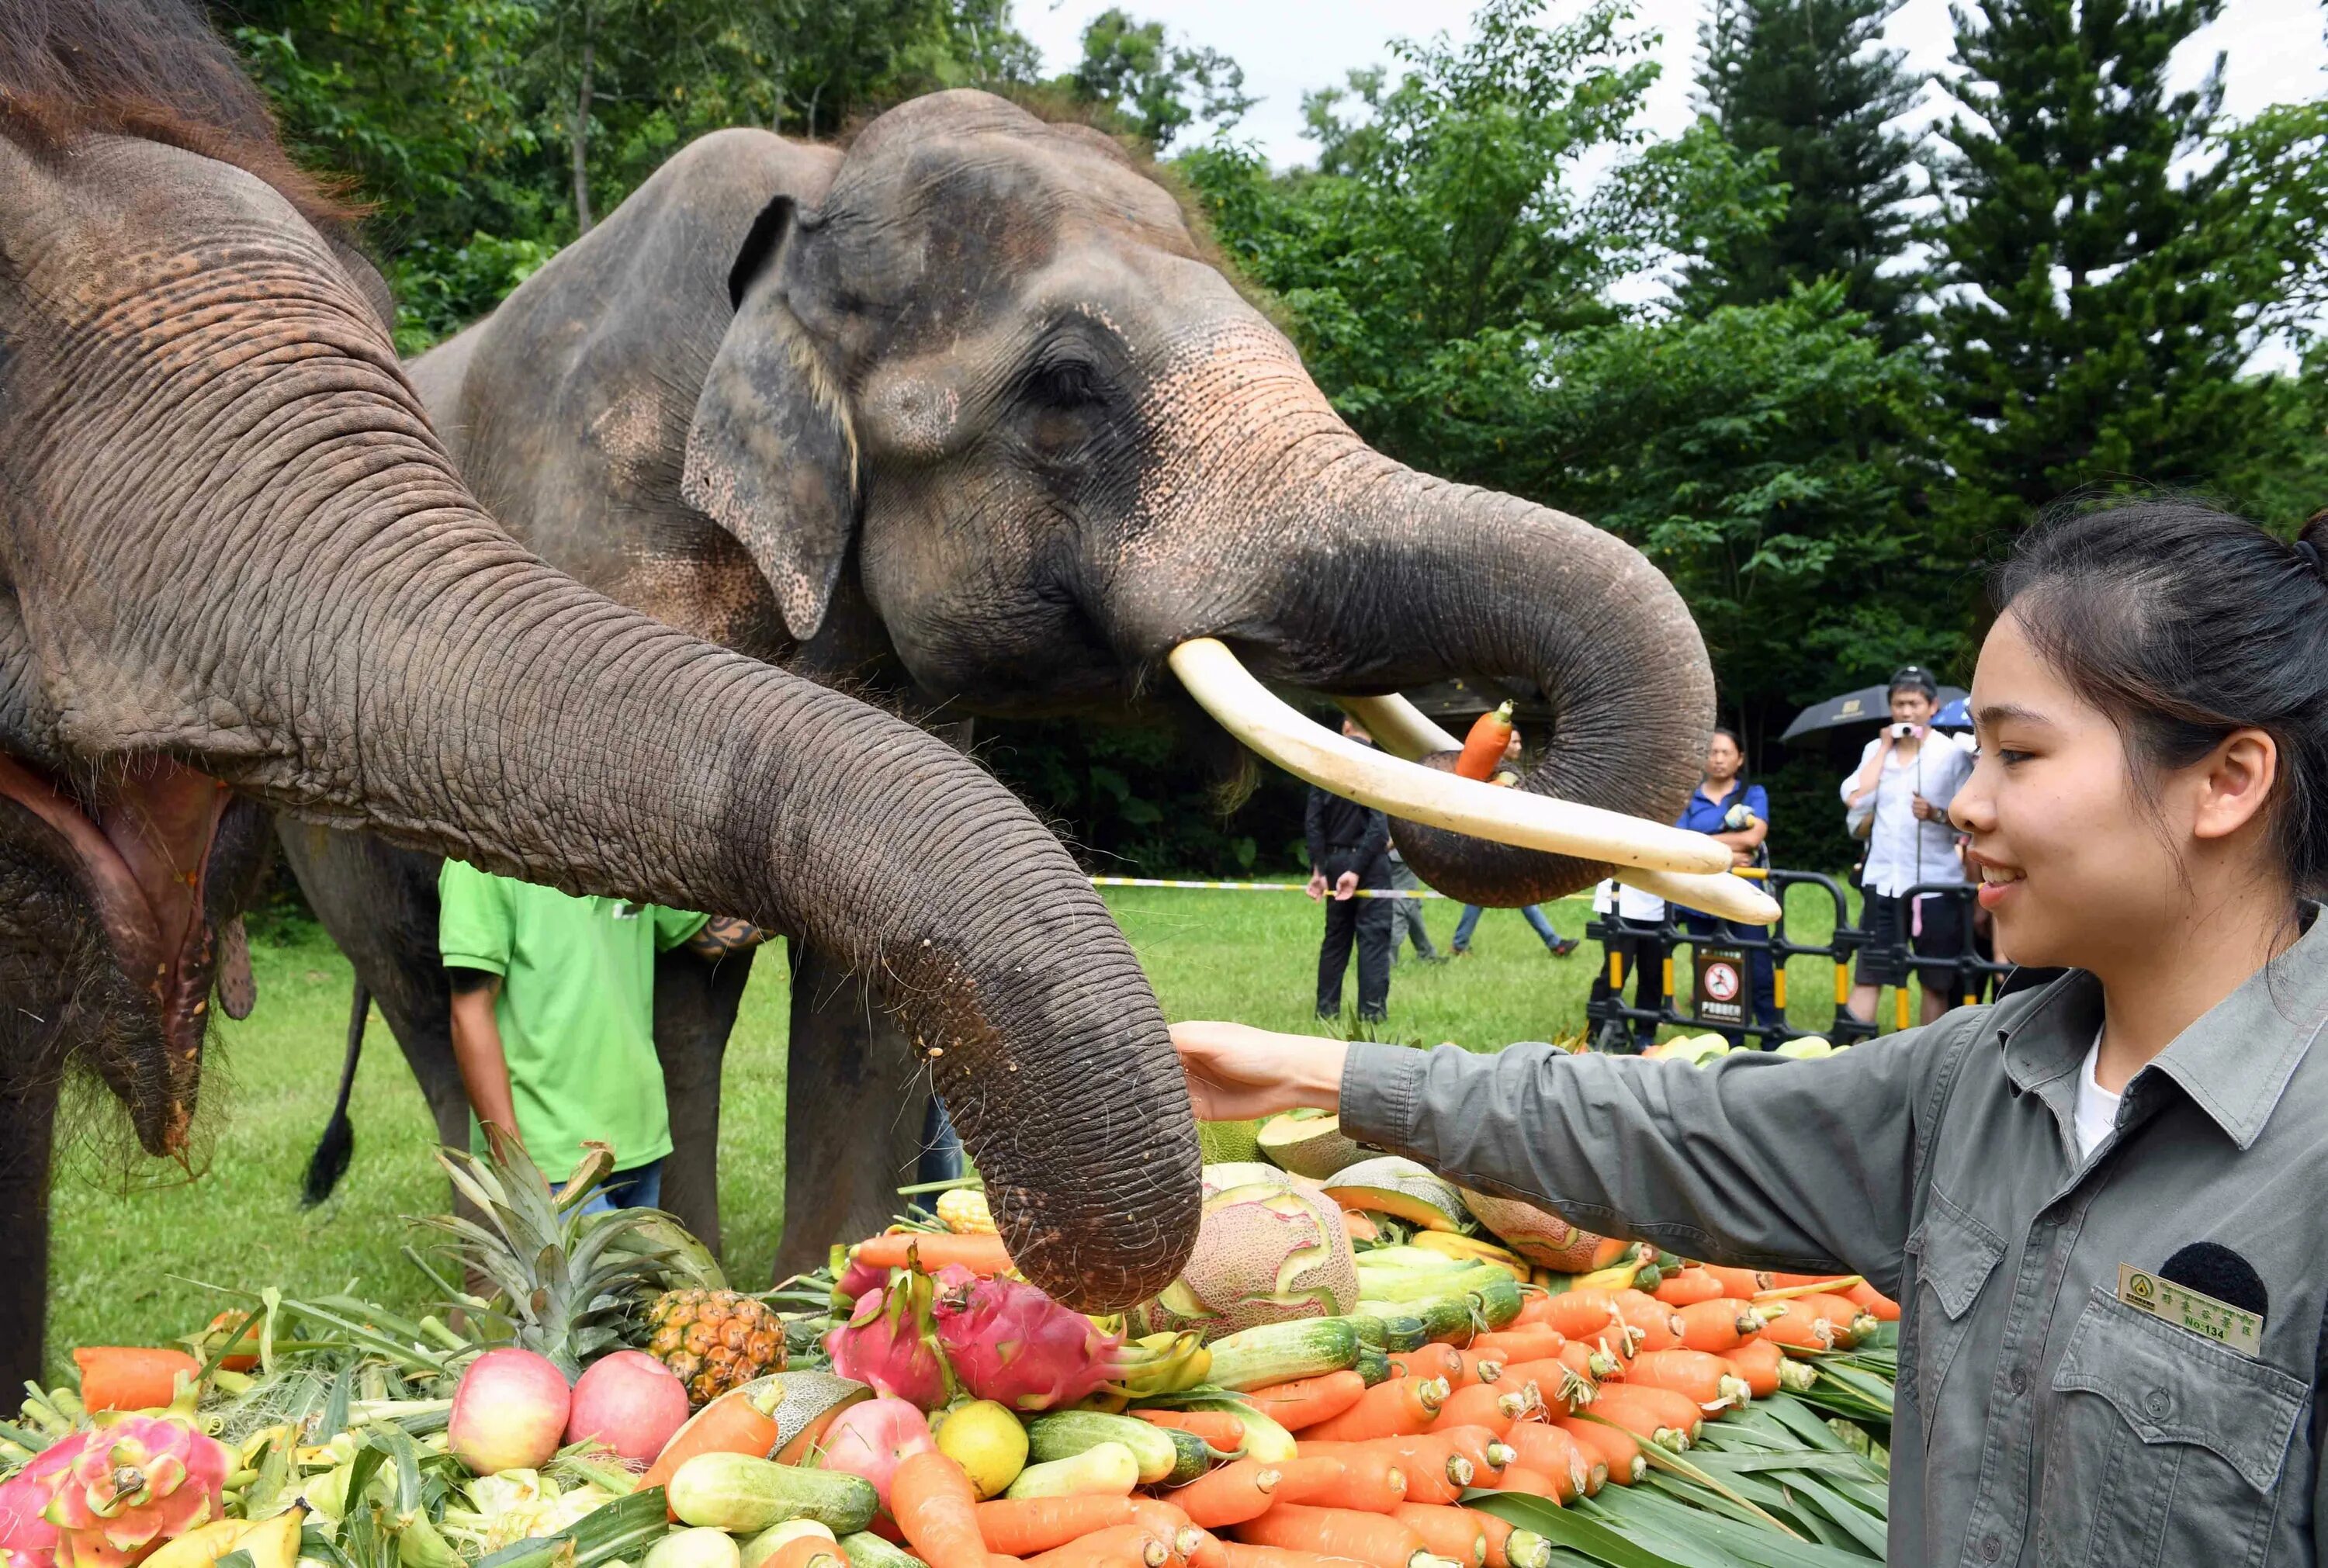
(2234, 1062)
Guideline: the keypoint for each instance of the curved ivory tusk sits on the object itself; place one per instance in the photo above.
(1247, 709)
(1725, 896)
(1399, 727)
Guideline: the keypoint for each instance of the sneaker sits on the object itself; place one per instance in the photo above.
(1562, 949)
(1435, 958)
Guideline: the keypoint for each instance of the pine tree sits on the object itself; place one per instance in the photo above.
(2091, 333)
(1806, 81)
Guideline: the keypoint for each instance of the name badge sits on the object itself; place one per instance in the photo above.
(2162, 1299)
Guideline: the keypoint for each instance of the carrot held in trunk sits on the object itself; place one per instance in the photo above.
(980, 1254)
(1483, 748)
(1375, 1539)
(1451, 1533)
(1230, 1495)
(1403, 1404)
(936, 1507)
(1307, 1401)
(1371, 1480)
(131, 1376)
(1218, 1428)
(1120, 1546)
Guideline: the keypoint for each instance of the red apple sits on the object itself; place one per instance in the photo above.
(509, 1413)
(630, 1402)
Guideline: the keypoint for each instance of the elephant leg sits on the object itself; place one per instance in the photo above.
(27, 1133)
(695, 1005)
(854, 1106)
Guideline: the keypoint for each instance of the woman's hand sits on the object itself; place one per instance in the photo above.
(1236, 1072)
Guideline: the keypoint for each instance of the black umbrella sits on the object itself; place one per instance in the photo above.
(1868, 705)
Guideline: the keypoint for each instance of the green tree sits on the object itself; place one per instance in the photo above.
(1808, 82)
(1158, 88)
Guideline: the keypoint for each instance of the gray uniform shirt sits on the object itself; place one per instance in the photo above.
(2039, 1420)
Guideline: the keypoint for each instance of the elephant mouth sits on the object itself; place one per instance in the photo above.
(141, 841)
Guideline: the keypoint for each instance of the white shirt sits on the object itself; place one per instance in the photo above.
(2097, 1106)
(1903, 850)
(1611, 896)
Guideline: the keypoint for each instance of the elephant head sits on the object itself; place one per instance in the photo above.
(987, 360)
(240, 568)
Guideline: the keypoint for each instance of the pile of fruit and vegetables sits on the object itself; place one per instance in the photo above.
(1361, 1366)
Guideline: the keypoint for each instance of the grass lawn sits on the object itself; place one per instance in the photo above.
(125, 1263)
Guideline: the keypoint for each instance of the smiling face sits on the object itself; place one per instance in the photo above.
(2080, 865)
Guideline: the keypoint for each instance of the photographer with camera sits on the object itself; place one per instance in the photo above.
(1898, 801)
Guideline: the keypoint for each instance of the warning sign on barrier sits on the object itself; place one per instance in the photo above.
(1720, 985)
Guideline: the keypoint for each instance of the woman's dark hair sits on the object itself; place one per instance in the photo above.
(2184, 624)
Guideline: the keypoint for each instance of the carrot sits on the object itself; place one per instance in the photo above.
(1399, 1405)
(1704, 1380)
(1653, 1323)
(1757, 1363)
(937, 1509)
(1451, 1533)
(1581, 1313)
(1742, 1284)
(1230, 1495)
(1534, 1553)
(131, 1376)
(1483, 748)
(1717, 1325)
(1816, 1322)
(1656, 1415)
(1370, 1538)
(1793, 1282)
(1494, 1405)
(1372, 1481)
(1612, 1446)
(1238, 1555)
(1686, 1285)
(1207, 1552)
(1487, 1452)
(980, 1254)
(730, 1423)
(1535, 1306)
(1530, 1343)
(1590, 1362)
(805, 1551)
(1534, 1483)
(1218, 1428)
(1431, 1361)
(1169, 1523)
(1882, 1307)
(1307, 1474)
(1558, 1387)
(1479, 1367)
(1023, 1526)
(1305, 1401)
(1120, 1546)
(1437, 1470)
(1550, 1451)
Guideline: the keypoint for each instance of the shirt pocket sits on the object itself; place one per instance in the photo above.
(2166, 1447)
(1955, 1255)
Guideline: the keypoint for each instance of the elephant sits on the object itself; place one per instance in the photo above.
(967, 415)
(243, 577)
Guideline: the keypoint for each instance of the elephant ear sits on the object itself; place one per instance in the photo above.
(772, 455)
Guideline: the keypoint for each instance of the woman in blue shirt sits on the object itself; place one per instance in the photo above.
(1724, 806)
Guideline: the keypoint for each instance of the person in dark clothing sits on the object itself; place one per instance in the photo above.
(1349, 849)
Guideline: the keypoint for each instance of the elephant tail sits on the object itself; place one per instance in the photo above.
(338, 1144)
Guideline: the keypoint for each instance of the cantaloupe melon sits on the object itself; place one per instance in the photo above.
(1269, 1250)
(1395, 1186)
(1222, 1142)
(805, 1405)
(1537, 1234)
(1309, 1144)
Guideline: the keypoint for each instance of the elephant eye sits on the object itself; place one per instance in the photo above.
(1062, 385)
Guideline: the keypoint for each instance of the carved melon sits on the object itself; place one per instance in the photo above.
(1537, 1234)
(1392, 1184)
(1308, 1145)
(806, 1402)
(1271, 1248)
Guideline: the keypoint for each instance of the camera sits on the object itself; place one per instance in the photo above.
(1902, 731)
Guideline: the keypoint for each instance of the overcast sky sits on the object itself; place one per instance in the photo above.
(2275, 47)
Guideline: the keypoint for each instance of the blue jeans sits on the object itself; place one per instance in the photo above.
(1536, 917)
(940, 1153)
(640, 1187)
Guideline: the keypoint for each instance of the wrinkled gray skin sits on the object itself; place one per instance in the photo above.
(241, 573)
(964, 414)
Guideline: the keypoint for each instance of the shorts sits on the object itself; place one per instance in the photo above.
(1942, 936)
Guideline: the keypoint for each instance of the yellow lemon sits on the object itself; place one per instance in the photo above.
(986, 1439)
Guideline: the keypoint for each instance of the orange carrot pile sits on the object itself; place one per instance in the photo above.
(131, 1376)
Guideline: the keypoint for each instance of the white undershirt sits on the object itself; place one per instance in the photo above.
(2097, 1110)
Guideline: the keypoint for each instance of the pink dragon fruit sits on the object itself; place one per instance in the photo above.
(889, 1343)
(140, 1481)
(1008, 1342)
(26, 1539)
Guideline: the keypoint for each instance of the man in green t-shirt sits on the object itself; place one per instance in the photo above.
(553, 1019)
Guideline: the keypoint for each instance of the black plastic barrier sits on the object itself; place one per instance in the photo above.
(1970, 973)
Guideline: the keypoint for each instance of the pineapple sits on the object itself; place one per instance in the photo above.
(964, 1212)
(714, 1340)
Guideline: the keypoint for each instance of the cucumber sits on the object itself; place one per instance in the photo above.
(1498, 1300)
(1373, 1365)
(1105, 1469)
(1444, 1320)
(1265, 1440)
(1281, 1352)
(762, 1546)
(1401, 1331)
(866, 1550)
(1427, 1285)
(743, 1495)
(1068, 1432)
(1369, 1329)
(1194, 1458)
(697, 1548)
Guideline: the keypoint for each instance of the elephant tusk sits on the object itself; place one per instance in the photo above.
(1248, 710)
(1404, 730)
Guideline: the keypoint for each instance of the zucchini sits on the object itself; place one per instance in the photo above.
(1498, 1300)
(1105, 1469)
(1281, 1352)
(1427, 1285)
(1194, 1456)
(1068, 1432)
(738, 1493)
(1373, 1365)
(1389, 1332)
(697, 1548)
(866, 1550)
(1444, 1320)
